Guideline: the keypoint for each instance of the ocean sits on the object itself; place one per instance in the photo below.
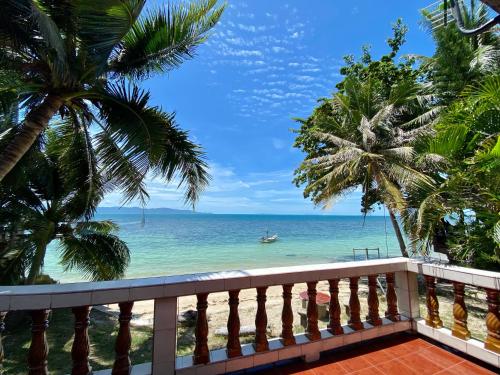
(170, 244)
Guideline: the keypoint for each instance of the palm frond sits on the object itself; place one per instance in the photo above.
(332, 139)
(343, 154)
(98, 255)
(391, 193)
(102, 28)
(426, 118)
(165, 37)
(151, 140)
(71, 145)
(450, 141)
(51, 35)
(404, 153)
(486, 59)
(120, 169)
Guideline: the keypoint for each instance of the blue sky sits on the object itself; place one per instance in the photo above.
(266, 63)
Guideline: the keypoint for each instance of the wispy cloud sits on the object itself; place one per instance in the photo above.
(270, 49)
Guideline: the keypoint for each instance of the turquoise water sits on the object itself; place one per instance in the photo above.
(179, 244)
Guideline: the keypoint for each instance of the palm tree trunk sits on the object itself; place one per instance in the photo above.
(399, 236)
(36, 122)
(36, 264)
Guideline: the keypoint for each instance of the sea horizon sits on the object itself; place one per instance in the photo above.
(171, 244)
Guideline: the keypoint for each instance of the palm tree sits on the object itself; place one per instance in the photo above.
(82, 62)
(366, 140)
(461, 60)
(458, 213)
(41, 206)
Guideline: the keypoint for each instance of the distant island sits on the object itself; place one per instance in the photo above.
(148, 211)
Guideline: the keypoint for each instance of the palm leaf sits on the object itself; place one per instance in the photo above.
(120, 169)
(94, 252)
(332, 139)
(164, 38)
(102, 28)
(151, 140)
(51, 35)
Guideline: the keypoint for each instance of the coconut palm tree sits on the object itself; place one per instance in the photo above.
(82, 61)
(366, 140)
(458, 213)
(42, 205)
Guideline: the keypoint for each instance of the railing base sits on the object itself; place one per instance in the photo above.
(142, 369)
(472, 347)
(219, 363)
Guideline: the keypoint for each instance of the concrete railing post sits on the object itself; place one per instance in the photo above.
(165, 336)
(407, 293)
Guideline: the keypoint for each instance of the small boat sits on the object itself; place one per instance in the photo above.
(269, 239)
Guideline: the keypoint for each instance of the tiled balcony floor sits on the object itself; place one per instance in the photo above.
(399, 354)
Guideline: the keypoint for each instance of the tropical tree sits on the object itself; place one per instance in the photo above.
(42, 205)
(458, 214)
(359, 138)
(460, 60)
(82, 62)
(388, 70)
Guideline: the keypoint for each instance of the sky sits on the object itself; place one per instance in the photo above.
(265, 64)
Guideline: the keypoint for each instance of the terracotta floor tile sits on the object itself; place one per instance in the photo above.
(355, 364)
(331, 369)
(422, 364)
(419, 344)
(469, 368)
(397, 355)
(368, 371)
(399, 350)
(379, 356)
(441, 356)
(395, 367)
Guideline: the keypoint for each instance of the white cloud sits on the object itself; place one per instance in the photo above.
(240, 52)
(305, 78)
(278, 144)
(277, 49)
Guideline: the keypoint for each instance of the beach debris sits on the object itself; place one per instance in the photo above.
(244, 331)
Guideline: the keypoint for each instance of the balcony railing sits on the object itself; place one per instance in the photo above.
(402, 314)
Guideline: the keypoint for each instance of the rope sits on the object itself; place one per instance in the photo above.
(385, 228)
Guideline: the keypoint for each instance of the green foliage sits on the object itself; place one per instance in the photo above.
(47, 202)
(93, 58)
(385, 71)
(459, 213)
(423, 140)
(460, 60)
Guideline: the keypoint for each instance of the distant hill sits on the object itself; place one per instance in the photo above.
(147, 211)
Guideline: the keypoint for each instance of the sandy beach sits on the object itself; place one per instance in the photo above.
(218, 310)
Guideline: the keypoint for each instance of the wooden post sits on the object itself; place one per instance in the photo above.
(39, 350)
(335, 327)
(122, 365)
(287, 337)
(81, 349)
(2, 329)
(432, 318)
(201, 353)
(392, 299)
(233, 326)
(261, 343)
(312, 331)
(459, 329)
(354, 306)
(373, 316)
(492, 341)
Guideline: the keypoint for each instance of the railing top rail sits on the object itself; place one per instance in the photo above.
(469, 276)
(106, 292)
